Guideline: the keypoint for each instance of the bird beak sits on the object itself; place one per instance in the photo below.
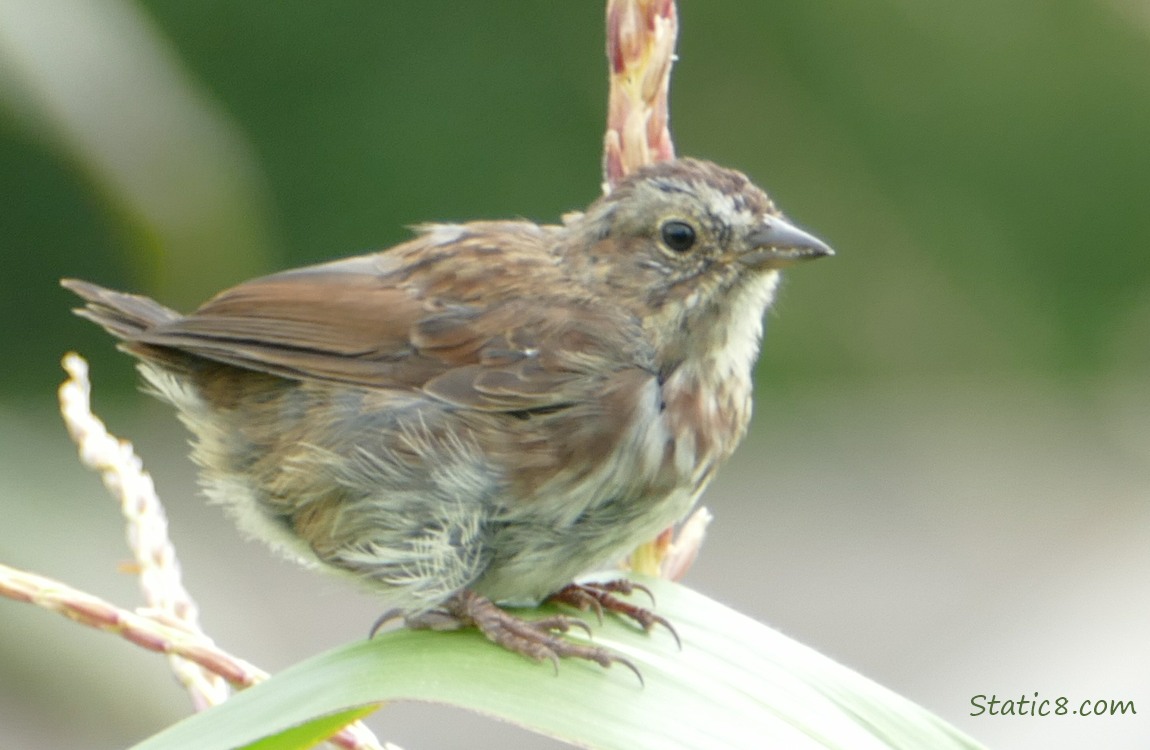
(777, 244)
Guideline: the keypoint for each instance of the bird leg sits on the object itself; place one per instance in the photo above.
(535, 639)
(601, 596)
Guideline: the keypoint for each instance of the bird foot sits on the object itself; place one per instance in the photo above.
(538, 640)
(601, 596)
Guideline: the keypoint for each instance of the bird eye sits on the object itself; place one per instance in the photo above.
(679, 236)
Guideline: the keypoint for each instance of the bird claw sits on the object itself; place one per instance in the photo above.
(598, 597)
(535, 639)
(383, 620)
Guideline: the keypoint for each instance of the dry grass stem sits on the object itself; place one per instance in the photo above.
(148, 632)
(159, 572)
(641, 38)
(169, 622)
(141, 629)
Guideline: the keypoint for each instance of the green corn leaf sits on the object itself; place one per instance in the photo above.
(735, 684)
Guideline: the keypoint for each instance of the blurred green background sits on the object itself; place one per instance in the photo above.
(946, 485)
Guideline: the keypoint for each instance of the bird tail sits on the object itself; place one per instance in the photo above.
(125, 316)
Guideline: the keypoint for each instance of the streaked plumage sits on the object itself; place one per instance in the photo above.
(496, 406)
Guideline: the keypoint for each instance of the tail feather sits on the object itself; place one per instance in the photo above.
(125, 316)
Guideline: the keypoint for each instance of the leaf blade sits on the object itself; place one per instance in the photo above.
(736, 684)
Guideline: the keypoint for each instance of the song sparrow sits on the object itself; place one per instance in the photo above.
(483, 413)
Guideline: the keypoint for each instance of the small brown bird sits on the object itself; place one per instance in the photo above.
(481, 414)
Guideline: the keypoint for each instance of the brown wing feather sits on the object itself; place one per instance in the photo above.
(409, 319)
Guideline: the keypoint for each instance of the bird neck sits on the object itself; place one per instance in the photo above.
(708, 393)
(722, 342)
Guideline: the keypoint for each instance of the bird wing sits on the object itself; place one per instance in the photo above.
(436, 318)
